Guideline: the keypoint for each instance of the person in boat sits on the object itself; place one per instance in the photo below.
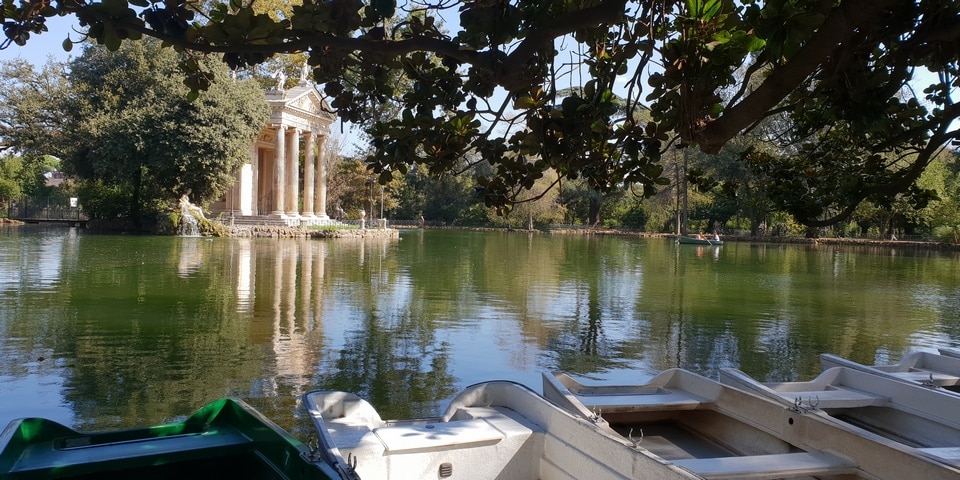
(716, 236)
(699, 236)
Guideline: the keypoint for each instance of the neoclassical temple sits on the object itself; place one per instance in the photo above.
(269, 188)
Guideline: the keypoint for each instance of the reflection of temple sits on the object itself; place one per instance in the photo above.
(268, 188)
(282, 283)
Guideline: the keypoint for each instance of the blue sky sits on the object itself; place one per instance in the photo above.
(45, 44)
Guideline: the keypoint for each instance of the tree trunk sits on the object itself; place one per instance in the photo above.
(135, 197)
(593, 213)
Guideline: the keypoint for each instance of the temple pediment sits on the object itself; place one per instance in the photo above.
(300, 107)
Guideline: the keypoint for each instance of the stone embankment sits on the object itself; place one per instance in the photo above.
(275, 231)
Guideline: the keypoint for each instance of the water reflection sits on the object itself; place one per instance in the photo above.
(139, 330)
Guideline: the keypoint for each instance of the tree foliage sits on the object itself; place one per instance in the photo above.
(30, 101)
(129, 126)
(833, 68)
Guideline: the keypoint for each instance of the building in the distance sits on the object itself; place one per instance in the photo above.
(269, 187)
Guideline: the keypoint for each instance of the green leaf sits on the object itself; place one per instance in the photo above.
(711, 8)
(524, 102)
(386, 8)
(755, 44)
(704, 9)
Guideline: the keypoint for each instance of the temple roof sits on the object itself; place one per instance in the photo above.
(300, 106)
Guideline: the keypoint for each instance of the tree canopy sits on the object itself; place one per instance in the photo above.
(708, 70)
(128, 126)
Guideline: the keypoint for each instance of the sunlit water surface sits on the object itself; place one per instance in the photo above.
(103, 332)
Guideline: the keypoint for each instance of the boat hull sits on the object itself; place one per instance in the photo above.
(902, 415)
(931, 370)
(492, 430)
(713, 429)
(225, 439)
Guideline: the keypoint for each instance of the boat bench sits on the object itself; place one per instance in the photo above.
(437, 436)
(769, 466)
(640, 402)
(923, 376)
(80, 457)
(835, 398)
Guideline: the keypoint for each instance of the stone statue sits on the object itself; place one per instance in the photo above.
(305, 73)
(281, 79)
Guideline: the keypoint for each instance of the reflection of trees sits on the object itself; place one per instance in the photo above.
(138, 341)
(785, 305)
(396, 367)
(570, 294)
(391, 354)
(149, 341)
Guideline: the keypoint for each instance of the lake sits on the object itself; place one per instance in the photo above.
(115, 331)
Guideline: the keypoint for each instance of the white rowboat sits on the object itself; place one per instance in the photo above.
(718, 431)
(492, 430)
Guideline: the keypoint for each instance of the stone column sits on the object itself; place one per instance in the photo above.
(321, 187)
(293, 173)
(230, 198)
(255, 180)
(279, 166)
(309, 159)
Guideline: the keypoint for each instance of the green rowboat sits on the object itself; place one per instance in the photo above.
(698, 241)
(224, 439)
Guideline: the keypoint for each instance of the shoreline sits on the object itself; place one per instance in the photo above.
(845, 241)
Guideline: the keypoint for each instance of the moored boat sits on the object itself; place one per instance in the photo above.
(698, 241)
(923, 368)
(887, 410)
(950, 352)
(718, 431)
(224, 439)
(492, 430)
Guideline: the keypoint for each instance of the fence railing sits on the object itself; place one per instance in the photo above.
(28, 209)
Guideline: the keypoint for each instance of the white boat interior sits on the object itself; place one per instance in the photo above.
(719, 431)
(924, 368)
(493, 430)
(920, 418)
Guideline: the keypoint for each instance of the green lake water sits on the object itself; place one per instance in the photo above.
(103, 332)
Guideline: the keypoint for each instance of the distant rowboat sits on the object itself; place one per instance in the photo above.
(698, 241)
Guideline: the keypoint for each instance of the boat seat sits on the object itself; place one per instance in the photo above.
(769, 466)
(922, 376)
(437, 436)
(949, 455)
(640, 402)
(76, 454)
(835, 398)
